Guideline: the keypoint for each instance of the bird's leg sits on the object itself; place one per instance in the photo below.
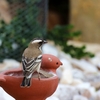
(39, 77)
(38, 71)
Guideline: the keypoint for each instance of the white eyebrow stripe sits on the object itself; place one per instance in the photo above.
(36, 41)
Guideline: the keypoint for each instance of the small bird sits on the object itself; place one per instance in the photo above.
(31, 60)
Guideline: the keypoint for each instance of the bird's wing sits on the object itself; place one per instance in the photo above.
(30, 65)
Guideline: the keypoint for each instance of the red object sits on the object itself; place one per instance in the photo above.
(50, 62)
(39, 89)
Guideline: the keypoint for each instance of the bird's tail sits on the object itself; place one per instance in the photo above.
(26, 82)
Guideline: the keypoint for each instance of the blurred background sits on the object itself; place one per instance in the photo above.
(21, 21)
(72, 29)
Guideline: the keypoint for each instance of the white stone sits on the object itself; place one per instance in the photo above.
(86, 86)
(97, 95)
(65, 92)
(67, 77)
(95, 61)
(76, 82)
(78, 74)
(84, 65)
(79, 97)
(66, 65)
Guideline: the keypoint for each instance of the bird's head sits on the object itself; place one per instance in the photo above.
(37, 42)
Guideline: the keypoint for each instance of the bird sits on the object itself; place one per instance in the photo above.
(31, 60)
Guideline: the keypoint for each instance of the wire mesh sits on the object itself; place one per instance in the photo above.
(20, 22)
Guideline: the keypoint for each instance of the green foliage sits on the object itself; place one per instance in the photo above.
(23, 28)
(14, 37)
(61, 34)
